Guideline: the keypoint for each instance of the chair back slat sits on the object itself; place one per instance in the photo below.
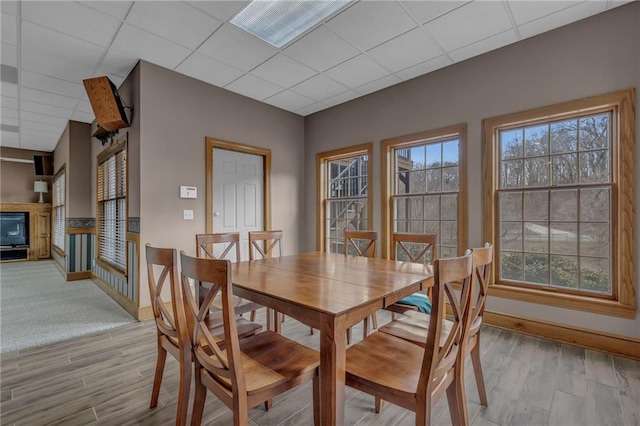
(205, 245)
(439, 356)
(425, 243)
(220, 363)
(362, 242)
(265, 243)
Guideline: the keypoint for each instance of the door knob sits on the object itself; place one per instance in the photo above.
(216, 214)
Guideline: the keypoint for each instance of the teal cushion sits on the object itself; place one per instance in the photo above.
(419, 300)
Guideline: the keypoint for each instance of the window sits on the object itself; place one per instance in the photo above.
(560, 189)
(343, 193)
(112, 206)
(425, 188)
(59, 197)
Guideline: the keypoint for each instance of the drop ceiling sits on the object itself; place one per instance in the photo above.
(49, 47)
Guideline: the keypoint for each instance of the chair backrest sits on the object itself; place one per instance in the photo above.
(172, 324)
(440, 357)
(482, 259)
(414, 248)
(362, 243)
(259, 240)
(223, 365)
(205, 245)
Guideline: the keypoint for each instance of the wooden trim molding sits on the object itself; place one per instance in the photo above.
(73, 231)
(265, 153)
(625, 346)
(80, 275)
(321, 159)
(128, 305)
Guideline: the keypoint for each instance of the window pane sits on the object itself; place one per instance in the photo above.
(450, 153)
(416, 208)
(510, 206)
(434, 155)
(594, 204)
(594, 239)
(594, 166)
(536, 140)
(564, 136)
(434, 180)
(564, 238)
(536, 205)
(536, 171)
(402, 183)
(401, 208)
(564, 169)
(511, 143)
(564, 271)
(449, 207)
(536, 237)
(564, 205)
(417, 183)
(450, 179)
(416, 227)
(511, 236)
(536, 268)
(594, 275)
(594, 132)
(511, 266)
(449, 234)
(512, 174)
(432, 207)
(417, 157)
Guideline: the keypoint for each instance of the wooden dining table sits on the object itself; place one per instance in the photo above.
(329, 292)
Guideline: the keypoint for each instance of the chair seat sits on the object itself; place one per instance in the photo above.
(413, 326)
(270, 360)
(385, 362)
(216, 327)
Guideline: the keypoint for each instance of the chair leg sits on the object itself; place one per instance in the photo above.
(252, 317)
(454, 403)
(311, 331)
(477, 371)
(365, 328)
(374, 321)
(186, 365)
(379, 404)
(316, 401)
(198, 399)
(157, 378)
(349, 336)
(268, 404)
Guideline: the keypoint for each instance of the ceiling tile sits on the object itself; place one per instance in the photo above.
(209, 70)
(47, 98)
(374, 86)
(283, 71)
(50, 110)
(83, 117)
(9, 102)
(425, 67)
(9, 112)
(321, 49)
(563, 17)
(425, 11)
(9, 121)
(527, 11)
(84, 106)
(9, 7)
(36, 143)
(54, 67)
(341, 98)
(479, 19)
(236, 48)
(117, 9)
(289, 101)
(367, 24)
(356, 72)
(43, 118)
(117, 63)
(219, 9)
(9, 89)
(409, 49)
(9, 139)
(73, 19)
(9, 54)
(175, 21)
(51, 84)
(319, 87)
(254, 87)
(59, 45)
(311, 109)
(138, 43)
(44, 134)
(486, 45)
(38, 125)
(9, 30)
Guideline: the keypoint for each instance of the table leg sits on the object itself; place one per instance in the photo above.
(332, 372)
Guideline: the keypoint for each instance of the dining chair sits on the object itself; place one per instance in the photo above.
(241, 373)
(361, 243)
(228, 244)
(414, 248)
(415, 377)
(414, 326)
(173, 327)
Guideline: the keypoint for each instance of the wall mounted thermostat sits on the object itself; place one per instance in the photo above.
(188, 192)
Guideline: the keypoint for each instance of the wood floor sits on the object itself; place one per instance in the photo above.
(106, 379)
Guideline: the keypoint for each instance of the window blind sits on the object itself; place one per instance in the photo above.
(112, 209)
(59, 211)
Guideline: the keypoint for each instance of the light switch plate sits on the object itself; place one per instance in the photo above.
(187, 214)
(188, 192)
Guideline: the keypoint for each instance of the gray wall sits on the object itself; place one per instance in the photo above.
(594, 56)
(16, 179)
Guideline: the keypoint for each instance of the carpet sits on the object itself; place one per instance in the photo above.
(37, 306)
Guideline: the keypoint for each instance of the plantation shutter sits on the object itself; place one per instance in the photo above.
(59, 211)
(112, 209)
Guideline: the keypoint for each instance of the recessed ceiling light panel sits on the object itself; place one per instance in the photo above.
(279, 21)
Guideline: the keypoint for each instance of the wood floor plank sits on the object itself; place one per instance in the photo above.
(567, 409)
(629, 391)
(538, 388)
(599, 367)
(529, 415)
(603, 405)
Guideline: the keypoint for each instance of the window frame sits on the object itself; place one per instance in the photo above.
(622, 303)
(105, 155)
(60, 174)
(389, 146)
(322, 159)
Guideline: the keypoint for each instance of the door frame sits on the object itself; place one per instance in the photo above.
(210, 144)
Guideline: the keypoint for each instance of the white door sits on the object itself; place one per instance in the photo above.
(238, 195)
